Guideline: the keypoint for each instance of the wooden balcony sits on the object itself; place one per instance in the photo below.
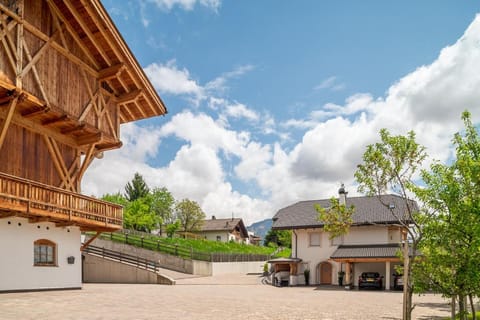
(40, 202)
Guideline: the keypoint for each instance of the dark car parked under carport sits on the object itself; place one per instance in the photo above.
(370, 280)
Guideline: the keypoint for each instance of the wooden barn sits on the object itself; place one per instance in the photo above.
(67, 83)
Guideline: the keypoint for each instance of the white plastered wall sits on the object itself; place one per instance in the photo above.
(212, 235)
(367, 235)
(17, 271)
(313, 255)
(360, 235)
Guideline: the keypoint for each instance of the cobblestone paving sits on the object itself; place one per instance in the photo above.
(224, 297)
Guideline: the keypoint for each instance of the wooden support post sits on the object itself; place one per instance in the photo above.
(20, 40)
(347, 273)
(7, 120)
(86, 244)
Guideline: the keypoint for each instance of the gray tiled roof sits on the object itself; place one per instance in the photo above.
(224, 225)
(368, 210)
(366, 251)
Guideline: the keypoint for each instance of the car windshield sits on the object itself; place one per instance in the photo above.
(370, 275)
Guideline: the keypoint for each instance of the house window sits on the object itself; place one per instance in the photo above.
(315, 239)
(337, 241)
(44, 253)
(219, 238)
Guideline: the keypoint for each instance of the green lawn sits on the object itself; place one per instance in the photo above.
(469, 316)
(184, 247)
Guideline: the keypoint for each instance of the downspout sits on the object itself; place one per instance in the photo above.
(295, 242)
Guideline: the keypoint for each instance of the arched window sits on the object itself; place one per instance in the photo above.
(44, 253)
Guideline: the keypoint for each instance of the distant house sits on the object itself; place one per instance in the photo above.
(225, 230)
(371, 244)
(254, 239)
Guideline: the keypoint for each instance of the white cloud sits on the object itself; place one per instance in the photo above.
(219, 84)
(331, 83)
(241, 111)
(168, 78)
(187, 4)
(428, 100)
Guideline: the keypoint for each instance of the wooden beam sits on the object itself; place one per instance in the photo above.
(86, 162)
(35, 59)
(4, 215)
(75, 129)
(73, 34)
(129, 96)
(366, 259)
(8, 119)
(9, 26)
(59, 163)
(9, 49)
(31, 114)
(90, 139)
(111, 146)
(38, 128)
(38, 219)
(86, 244)
(57, 120)
(19, 78)
(35, 74)
(111, 72)
(39, 34)
(64, 224)
(87, 31)
(5, 100)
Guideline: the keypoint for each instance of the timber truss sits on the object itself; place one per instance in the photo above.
(84, 39)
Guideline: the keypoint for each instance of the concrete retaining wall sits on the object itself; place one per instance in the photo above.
(166, 261)
(237, 267)
(101, 270)
(196, 267)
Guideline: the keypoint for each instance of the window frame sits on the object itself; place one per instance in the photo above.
(43, 257)
(319, 239)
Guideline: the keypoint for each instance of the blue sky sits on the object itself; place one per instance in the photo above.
(273, 102)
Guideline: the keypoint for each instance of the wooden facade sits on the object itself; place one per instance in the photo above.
(67, 83)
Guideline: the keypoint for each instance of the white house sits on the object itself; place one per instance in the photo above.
(68, 82)
(371, 244)
(224, 230)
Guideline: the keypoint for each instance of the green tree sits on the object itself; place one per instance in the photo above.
(117, 198)
(138, 216)
(391, 165)
(451, 244)
(161, 203)
(337, 219)
(190, 215)
(281, 238)
(137, 188)
(172, 228)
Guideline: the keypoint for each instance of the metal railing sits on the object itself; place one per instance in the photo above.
(36, 199)
(135, 261)
(155, 243)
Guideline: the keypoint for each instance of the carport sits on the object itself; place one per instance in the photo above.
(284, 270)
(356, 259)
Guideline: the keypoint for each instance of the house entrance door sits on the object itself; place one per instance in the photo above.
(325, 273)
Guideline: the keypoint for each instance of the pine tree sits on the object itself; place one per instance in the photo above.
(137, 188)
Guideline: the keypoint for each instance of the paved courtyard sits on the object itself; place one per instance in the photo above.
(223, 297)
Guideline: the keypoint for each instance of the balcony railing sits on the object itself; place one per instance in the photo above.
(33, 200)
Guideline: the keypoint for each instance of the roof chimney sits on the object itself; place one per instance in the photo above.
(342, 195)
(214, 218)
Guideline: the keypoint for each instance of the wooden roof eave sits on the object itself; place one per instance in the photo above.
(66, 136)
(119, 47)
(369, 259)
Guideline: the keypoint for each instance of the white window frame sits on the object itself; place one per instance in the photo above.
(314, 244)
